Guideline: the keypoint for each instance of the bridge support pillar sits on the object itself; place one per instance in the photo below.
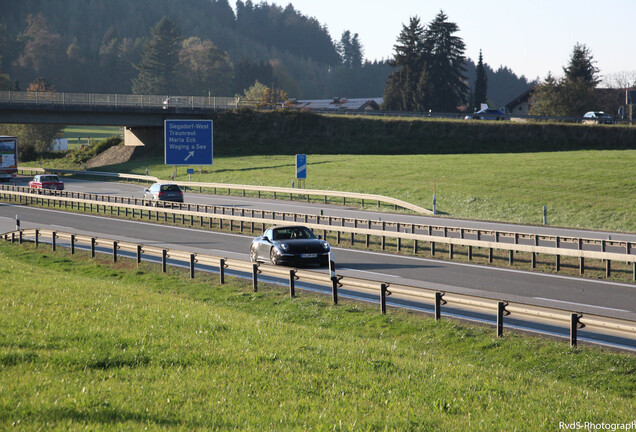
(151, 137)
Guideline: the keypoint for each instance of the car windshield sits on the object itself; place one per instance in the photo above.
(49, 179)
(292, 233)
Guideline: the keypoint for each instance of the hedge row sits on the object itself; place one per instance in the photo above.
(246, 132)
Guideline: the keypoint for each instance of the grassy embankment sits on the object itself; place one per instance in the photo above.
(583, 189)
(92, 345)
(78, 135)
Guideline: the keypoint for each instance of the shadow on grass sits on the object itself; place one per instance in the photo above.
(103, 413)
(265, 167)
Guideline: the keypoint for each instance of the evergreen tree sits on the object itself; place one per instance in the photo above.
(402, 85)
(572, 95)
(158, 67)
(444, 56)
(350, 50)
(581, 67)
(480, 94)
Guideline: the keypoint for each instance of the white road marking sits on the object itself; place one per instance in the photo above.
(581, 304)
(370, 272)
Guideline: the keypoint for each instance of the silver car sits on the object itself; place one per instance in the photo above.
(164, 192)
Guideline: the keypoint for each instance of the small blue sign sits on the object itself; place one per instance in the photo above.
(188, 142)
(190, 170)
(301, 166)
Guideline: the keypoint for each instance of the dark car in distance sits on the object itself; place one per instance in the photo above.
(597, 117)
(293, 245)
(487, 114)
(164, 192)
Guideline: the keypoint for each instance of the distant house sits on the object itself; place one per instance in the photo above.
(521, 104)
(335, 104)
(608, 100)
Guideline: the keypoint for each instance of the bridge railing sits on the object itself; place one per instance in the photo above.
(499, 309)
(119, 100)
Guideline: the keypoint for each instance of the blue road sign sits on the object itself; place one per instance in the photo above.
(301, 166)
(188, 142)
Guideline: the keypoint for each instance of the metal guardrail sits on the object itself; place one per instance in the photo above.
(243, 188)
(607, 251)
(119, 100)
(500, 308)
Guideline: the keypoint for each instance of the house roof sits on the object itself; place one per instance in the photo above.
(336, 103)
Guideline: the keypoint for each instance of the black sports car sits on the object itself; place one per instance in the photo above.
(293, 245)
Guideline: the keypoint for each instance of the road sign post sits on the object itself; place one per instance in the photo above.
(301, 169)
(188, 142)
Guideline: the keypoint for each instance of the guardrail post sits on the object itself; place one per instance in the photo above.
(450, 251)
(334, 289)
(490, 255)
(192, 260)
(164, 260)
(383, 298)
(574, 327)
(383, 237)
(501, 311)
(72, 244)
(432, 248)
(222, 271)
(415, 247)
(608, 268)
(438, 305)
(558, 262)
(292, 283)
(470, 253)
(20, 237)
(92, 247)
(53, 237)
(255, 272)
(37, 237)
(115, 251)
(511, 258)
(139, 254)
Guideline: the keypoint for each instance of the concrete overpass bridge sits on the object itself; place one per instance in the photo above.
(142, 116)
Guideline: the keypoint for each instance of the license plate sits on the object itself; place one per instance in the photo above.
(309, 255)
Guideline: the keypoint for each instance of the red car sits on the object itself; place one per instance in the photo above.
(46, 181)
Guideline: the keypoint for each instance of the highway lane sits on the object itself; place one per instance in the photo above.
(584, 295)
(136, 190)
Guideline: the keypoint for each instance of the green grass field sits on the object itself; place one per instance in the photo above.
(80, 134)
(88, 345)
(583, 189)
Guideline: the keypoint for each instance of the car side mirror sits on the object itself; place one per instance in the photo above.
(319, 237)
(266, 239)
(145, 190)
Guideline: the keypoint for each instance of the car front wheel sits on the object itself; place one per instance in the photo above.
(253, 256)
(273, 258)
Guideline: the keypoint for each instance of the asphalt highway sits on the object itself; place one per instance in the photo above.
(578, 294)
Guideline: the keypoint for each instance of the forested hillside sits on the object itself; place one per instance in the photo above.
(98, 45)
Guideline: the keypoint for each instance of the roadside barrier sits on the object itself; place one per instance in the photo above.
(277, 192)
(500, 309)
(607, 251)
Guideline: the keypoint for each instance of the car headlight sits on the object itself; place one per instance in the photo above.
(284, 247)
(325, 245)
